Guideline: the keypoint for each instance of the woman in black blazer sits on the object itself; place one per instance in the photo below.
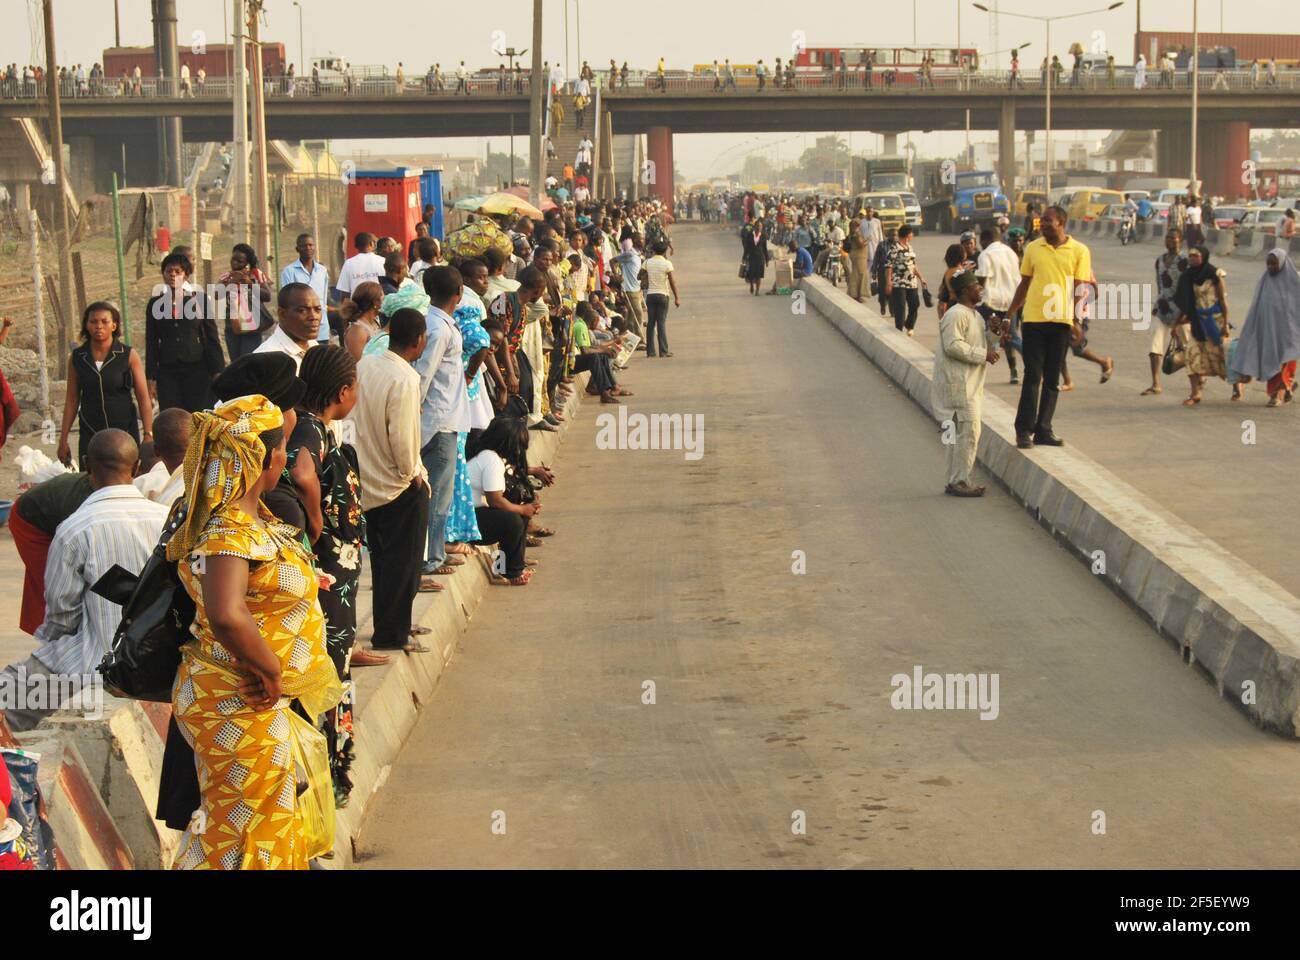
(182, 349)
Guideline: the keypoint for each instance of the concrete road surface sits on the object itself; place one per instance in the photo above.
(772, 689)
(1195, 461)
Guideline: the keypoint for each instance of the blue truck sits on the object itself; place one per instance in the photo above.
(959, 200)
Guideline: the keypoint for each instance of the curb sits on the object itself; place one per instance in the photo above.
(1239, 627)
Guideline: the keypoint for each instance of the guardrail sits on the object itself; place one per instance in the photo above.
(852, 80)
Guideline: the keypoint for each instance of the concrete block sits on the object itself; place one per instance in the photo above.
(85, 835)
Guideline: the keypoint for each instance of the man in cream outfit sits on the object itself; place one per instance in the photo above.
(958, 387)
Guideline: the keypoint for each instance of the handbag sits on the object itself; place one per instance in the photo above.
(925, 295)
(741, 274)
(1175, 356)
(156, 616)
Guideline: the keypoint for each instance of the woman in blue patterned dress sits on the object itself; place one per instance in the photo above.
(462, 527)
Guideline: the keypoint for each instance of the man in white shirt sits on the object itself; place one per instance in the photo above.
(444, 409)
(307, 269)
(366, 265)
(462, 79)
(395, 488)
(298, 310)
(115, 525)
(171, 435)
(998, 268)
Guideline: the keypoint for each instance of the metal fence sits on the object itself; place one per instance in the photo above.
(854, 79)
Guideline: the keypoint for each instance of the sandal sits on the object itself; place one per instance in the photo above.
(608, 399)
(446, 570)
(534, 542)
(1192, 401)
(522, 579)
(367, 658)
(1107, 369)
(1152, 391)
(461, 548)
(452, 560)
(418, 631)
(541, 531)
(430, 585)
(620, 392)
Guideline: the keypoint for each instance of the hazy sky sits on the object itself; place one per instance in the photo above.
(685, 32)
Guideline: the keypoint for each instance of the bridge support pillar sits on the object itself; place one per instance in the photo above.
(133, 155)
(1222, 147)
(890, 146)
(1007, 146)
(659, 174)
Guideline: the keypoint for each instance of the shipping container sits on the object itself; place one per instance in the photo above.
(217, 59)
(1283, 47)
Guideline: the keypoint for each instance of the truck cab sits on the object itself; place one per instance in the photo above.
(977, 199)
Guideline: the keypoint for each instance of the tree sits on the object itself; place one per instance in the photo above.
(496, 170)
(1276, 144)
(821, 161)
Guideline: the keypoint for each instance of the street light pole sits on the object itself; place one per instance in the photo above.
(302, 57)
(1196, 83)
(60, 181)
(1047, 141)
(535, 112)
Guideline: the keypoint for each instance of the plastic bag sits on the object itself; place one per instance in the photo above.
(36, 467)
(316, 802)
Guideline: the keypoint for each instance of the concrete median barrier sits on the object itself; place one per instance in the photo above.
(1221, 242)
(1110, 228)
(1251, 243)
(1141, 231)
(1239, 627)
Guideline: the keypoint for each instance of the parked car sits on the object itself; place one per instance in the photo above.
(1114, 213)
(1228, 217)
(912, 207)
(1088, 203)
(1263, 219)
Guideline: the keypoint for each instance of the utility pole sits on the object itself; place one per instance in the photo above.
(535, 112)
(167, 59)
(63, 235)
(239, 164)
(117, 25)
(1196, 86)
(261, 216)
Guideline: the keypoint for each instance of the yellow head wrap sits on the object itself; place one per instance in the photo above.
(224, 457)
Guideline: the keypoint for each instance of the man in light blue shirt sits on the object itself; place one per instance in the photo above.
(629, 265)
(444, 407)
(307, 270)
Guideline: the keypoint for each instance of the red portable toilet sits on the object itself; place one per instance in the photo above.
(385, 203)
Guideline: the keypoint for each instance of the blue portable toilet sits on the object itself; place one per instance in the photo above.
(431, 192)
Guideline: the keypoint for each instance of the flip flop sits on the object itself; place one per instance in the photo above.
(446, 570)
(367, 658)
(461, 548)
(429, 585)
(541, 531)
(1151, 391)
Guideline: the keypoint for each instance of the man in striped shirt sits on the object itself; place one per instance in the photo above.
(116, 525)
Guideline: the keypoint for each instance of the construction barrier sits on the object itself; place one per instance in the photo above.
(1252, 243)
(1220, 242)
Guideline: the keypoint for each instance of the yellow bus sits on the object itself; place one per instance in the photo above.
(746, 74)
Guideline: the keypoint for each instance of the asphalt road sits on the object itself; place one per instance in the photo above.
(772, 688)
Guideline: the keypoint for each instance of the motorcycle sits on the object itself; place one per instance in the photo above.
(1126, 230)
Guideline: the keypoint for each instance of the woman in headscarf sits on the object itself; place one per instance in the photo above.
(1202, 302)
(1270, 338)
(258, 642)
(411, 297)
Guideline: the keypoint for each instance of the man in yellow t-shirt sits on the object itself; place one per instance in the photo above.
(1055, 276)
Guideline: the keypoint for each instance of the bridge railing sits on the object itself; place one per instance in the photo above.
(852, 80)
(222, 88)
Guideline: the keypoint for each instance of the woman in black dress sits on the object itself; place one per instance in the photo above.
(182, 349)
(103, 376)
(756, 255)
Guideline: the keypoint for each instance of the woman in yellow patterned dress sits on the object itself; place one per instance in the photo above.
(259, 642)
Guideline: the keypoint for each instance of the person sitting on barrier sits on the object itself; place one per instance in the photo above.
(501, 521)
(803, 263)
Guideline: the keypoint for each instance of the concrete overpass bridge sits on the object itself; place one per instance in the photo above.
(107, 127)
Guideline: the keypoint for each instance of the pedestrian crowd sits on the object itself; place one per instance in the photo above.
(1030, 293)
(300, 428)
